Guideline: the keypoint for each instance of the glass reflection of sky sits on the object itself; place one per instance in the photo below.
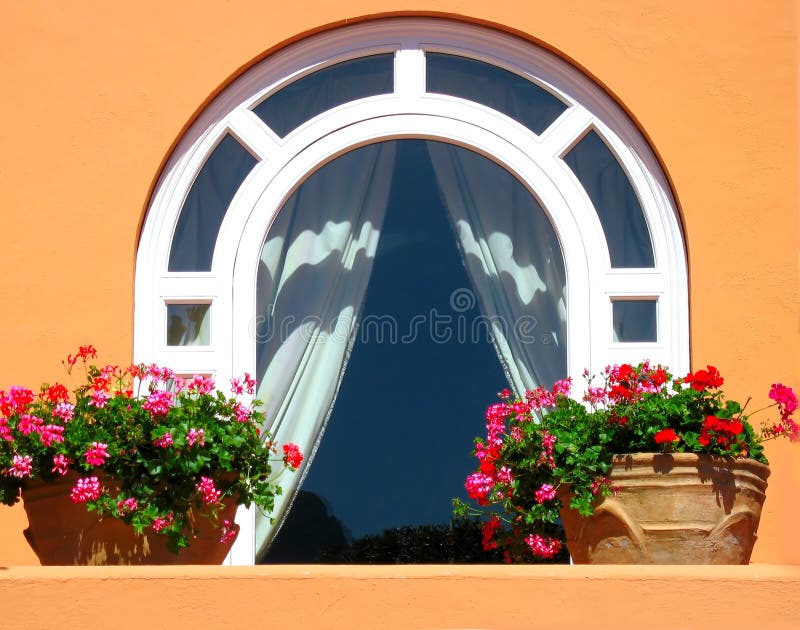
(397, 446)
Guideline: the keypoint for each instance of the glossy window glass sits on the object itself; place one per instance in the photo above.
(206, 204)
(635, 320)
(188, 324)
(615, 201)
(505, 91)
(301, 100)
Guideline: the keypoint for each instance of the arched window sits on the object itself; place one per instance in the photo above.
(258, 246)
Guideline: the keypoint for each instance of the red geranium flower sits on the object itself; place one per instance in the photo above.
(724, 430)
(625, 372)
(620, 392)
(489, 528)
(704, 379)
(57, 393)
(666, 435)
(659, 376)
(292, 455)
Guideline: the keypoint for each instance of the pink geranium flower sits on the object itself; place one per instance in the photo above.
(195, 436)
(545, 493)
(51, 434)
(242, 413)
(228, 532)
(165, 441)
(504, 475)
(201, 384)
(28, 424)
(86, 489)
(96, 454)
(785, 397)
(126, 506)
(64, 410)
(563, 387)
(60, 464)
(159, 402)
(479, 485)
(543, 547)
(21, 466)
(5, 430)
(208, 490)
(162, 522)
(99, 399)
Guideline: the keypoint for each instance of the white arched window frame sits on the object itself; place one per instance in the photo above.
(409, 112)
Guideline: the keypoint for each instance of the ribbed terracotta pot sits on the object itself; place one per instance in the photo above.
(677, 508)
(61, 532)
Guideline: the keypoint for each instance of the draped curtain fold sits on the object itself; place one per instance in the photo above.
(316, 264)
(513, 260)
(314, 271)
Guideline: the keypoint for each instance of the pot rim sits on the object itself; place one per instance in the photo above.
(691, 459)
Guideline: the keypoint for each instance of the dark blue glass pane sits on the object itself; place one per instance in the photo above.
(397, 446)
(635, 320)
(616, 203)
(206, 204)
(509, 93)
(325, 89)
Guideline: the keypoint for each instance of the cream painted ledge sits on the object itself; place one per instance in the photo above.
(433, 596)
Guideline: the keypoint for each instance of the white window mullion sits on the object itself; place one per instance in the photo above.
(635, 282)
(566, 129)
(182, 286)
(409, 72)
(253, 133)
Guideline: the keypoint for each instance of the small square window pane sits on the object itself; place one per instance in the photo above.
(188, 324)
(635, 320)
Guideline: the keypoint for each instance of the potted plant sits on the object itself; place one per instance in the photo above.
(643, 468)
(135, 465)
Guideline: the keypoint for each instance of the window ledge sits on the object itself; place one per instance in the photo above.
(400, 596)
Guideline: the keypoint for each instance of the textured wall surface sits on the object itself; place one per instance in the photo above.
(501, 598)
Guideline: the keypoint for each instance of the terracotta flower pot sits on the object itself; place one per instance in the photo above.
(64, 533)
(677, 508)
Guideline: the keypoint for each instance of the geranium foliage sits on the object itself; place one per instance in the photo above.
(148, 447)
(549, 450)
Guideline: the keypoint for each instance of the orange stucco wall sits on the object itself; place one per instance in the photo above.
(385, 598)
(96, 94)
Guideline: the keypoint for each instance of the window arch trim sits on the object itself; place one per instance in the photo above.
(411, 112)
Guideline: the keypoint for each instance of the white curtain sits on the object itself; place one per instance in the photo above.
(314, 271)
(513, 260)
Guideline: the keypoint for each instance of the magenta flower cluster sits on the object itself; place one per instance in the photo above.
(96, 454)
(201, 450)
(208, 491)
(86, 489)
